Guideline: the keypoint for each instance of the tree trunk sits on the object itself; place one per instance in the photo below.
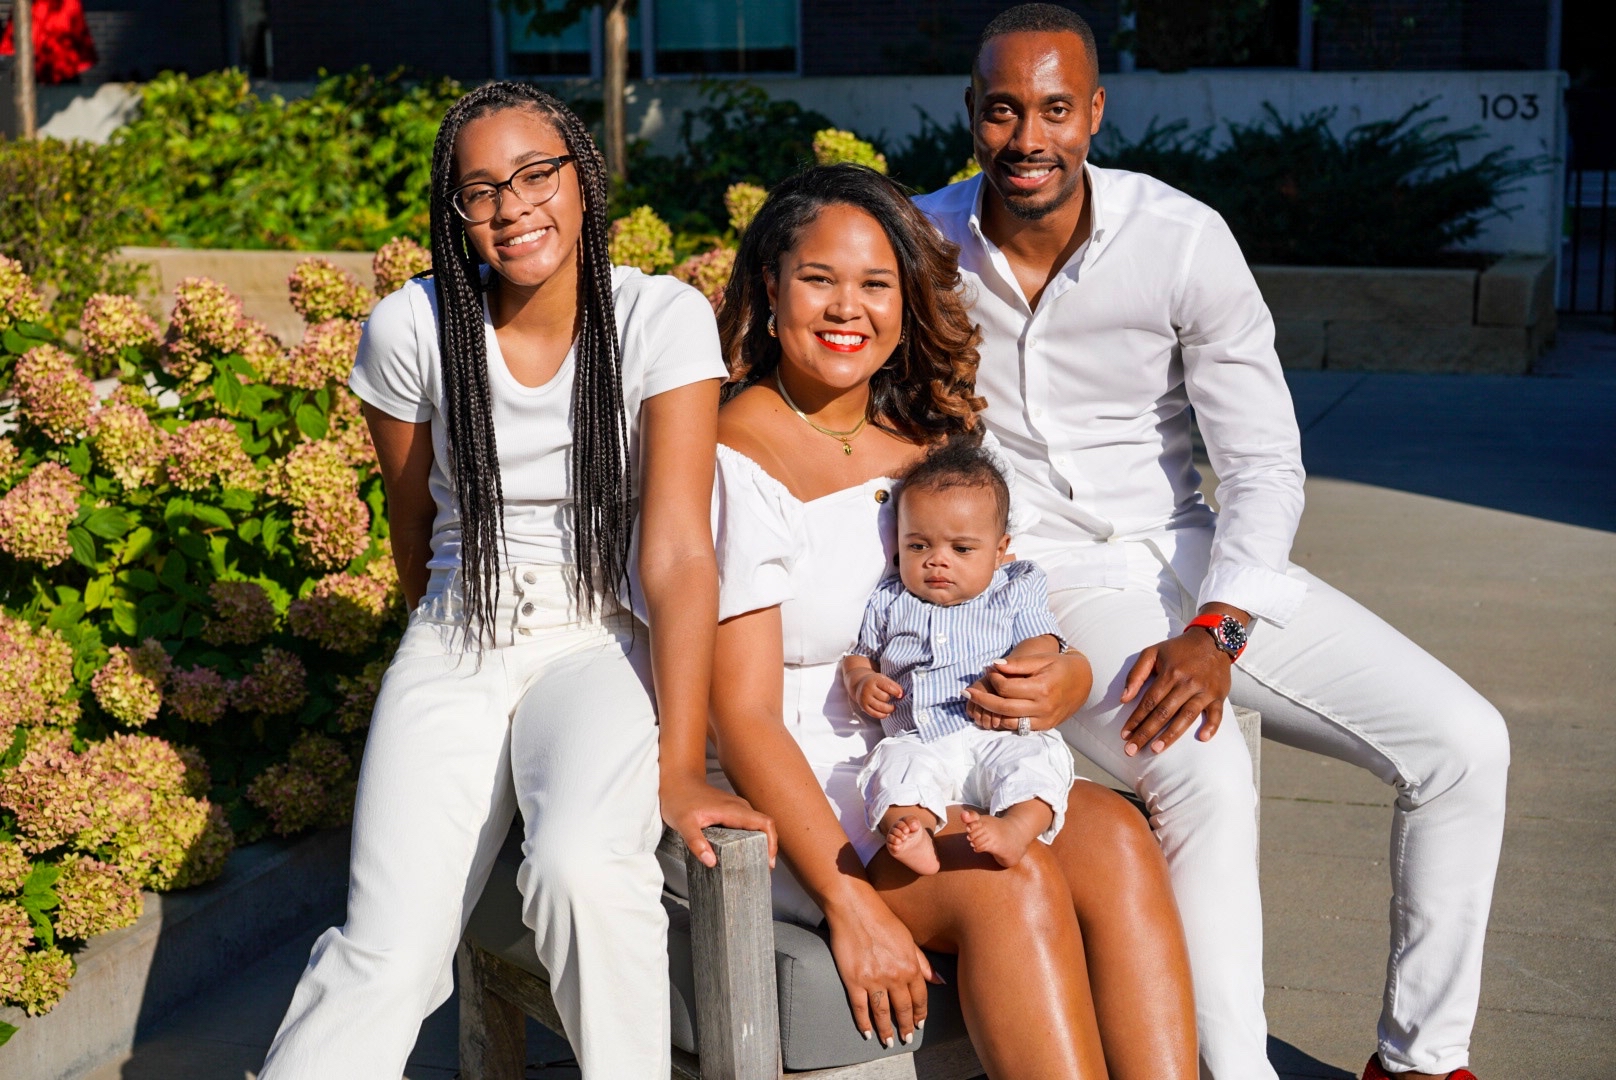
(616, 78)
(22, 35)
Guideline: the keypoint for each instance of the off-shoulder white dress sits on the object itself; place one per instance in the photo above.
(819, 561)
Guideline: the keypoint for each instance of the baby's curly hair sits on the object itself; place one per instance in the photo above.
(959, 463)
(926, 391)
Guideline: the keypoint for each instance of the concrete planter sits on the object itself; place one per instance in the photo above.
(1341, 318)
(183, 943)
(1494, 321)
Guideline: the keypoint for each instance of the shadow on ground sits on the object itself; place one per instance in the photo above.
(1542, 445)
(1295, 1064)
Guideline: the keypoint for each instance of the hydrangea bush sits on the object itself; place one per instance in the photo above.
(197, 598)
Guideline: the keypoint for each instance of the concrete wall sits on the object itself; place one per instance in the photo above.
(1518, 110)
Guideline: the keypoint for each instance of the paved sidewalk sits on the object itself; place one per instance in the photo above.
(1476, 514)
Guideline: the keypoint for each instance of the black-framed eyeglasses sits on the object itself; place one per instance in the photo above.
(534, 183)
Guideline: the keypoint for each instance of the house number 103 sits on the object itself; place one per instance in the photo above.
(1509, 107)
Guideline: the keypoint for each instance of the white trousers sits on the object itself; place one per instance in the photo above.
(1337, 680)
(555, 721)
(991, 769)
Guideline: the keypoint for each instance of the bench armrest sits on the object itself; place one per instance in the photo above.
(732, 941)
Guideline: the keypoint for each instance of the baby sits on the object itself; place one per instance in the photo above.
(957, 605)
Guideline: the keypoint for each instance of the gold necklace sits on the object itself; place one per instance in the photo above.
(844, 437)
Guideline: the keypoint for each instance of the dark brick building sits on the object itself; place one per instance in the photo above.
(472, 39)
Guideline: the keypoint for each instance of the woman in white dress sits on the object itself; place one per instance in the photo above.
(851, 352)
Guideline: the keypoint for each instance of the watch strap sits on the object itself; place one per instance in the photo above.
(1214, 624)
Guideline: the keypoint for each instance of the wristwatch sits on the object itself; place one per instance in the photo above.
(1227, 633)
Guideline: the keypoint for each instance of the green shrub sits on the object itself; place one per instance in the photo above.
(197, 600)
(63, 213)
(932, 156)
(1386, 193)
(213, 165)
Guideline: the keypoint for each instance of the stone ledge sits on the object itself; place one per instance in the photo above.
(183, 943)
(258, 277)
(1369, 293)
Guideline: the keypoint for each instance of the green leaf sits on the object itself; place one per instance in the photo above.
(211, 515)
(273, 528)
(83, 545)
(109, 522)
(78, 459)
(236, 499)
(172, 573)
(226, 388)
(65, 616)
(6, 1032)
(97, 592)
(13, 754)
(123, 617)
(138, 543)
(135, 577)
(15, 342)
(194, 546)
(249, 529)
(177, 512)
(311, 421)
(34, 331)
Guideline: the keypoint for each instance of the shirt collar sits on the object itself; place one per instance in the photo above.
(1097, 219)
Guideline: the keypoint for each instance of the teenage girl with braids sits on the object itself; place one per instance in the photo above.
(526, 401)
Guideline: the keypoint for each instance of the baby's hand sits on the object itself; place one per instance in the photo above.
(875, 693)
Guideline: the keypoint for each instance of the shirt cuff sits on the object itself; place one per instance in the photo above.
(1270, 596)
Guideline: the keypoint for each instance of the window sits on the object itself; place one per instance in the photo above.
(575, 51)
(711, 37)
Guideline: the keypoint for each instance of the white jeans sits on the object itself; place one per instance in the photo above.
(1337, 680)
(991, 769)
(555, 720)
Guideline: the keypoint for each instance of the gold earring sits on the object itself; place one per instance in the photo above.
(772, 331)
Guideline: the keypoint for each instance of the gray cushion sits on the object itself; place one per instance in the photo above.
(816, 1026)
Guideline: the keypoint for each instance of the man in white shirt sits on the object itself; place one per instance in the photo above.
(1110, 305)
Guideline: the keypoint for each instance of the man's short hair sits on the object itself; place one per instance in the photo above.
(1038, 19)
(959, 463)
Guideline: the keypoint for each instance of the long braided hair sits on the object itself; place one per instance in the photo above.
(601, 508)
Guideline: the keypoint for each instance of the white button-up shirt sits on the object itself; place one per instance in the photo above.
(1090, 393)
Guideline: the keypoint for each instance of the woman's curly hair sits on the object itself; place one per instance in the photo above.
(926, 391)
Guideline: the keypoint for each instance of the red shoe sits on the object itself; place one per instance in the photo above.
(1373, 1071)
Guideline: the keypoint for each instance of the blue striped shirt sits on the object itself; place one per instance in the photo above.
(934, 652)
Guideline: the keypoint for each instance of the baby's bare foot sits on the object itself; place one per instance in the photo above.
(1005, 838)
(910, 843)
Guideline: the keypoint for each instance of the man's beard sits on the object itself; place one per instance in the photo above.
(1020, 208)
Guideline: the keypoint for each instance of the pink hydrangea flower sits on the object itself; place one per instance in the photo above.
(642, 239)
(743, 201)
(358, 693)
(314, 786)
(205, 451)
(330, 523)
(54, 395)
(321, 290)
(163, 834)
(130, 686)
(245, 613)
(708, 272)
(8, 459)
(96, 897)
(127, 444)
(343, 613)
(14, 868)
(35, 515)
(275, 686)
(110, 324)
(198, 695)
(349, 431)
(158, 766)
(325, 355)
(36, 676)
(206, 321)
(49, 792)
(264, 352)
(396, 262)
(16, 934)
(45, 975)
(19, 300)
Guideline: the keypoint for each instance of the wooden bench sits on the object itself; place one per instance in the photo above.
(753, 999)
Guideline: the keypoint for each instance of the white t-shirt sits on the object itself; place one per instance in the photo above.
(669, 339)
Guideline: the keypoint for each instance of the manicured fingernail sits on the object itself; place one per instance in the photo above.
(1158, 746)
(888, 1042)
(920, 1025)
(1130, 749)
(866, 1035)
(909, 1038)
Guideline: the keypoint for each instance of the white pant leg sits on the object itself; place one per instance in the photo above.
(1338, 680)
(584, 758)
(433, 805)
(1202, 808)
(1009, 768)
(904, 770)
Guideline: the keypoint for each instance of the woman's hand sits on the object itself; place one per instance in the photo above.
(690, 804)
(1045, 687)
(882, 968)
